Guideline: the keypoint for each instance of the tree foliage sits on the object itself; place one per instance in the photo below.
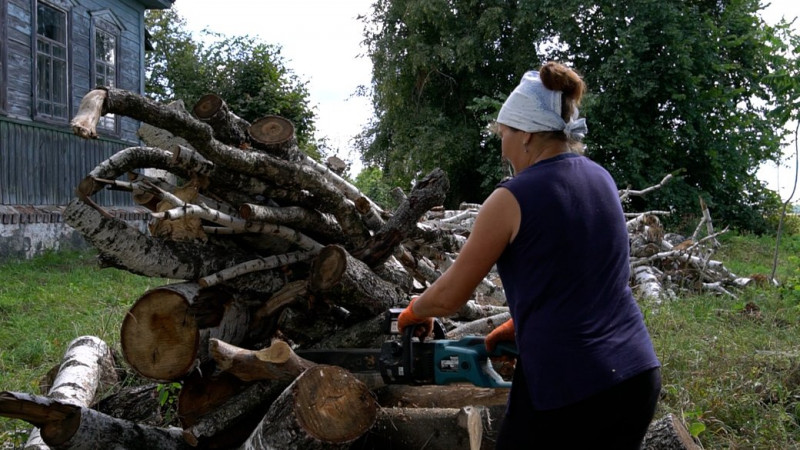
(251, 76)
(371, 182)
(429, 69)
(675, 86)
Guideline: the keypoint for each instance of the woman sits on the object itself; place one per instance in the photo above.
(587, 375)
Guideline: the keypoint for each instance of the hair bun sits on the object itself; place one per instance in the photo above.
(558, 77)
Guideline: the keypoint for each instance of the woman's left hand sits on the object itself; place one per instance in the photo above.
(424, 325)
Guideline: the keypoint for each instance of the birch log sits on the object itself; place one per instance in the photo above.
(326, 407)
(351, 282)
(65, 426)
(276, 362)
(87, 366)
(471, 427)
(228, 127)
(480, 327)
(165, 333)
(448, 396)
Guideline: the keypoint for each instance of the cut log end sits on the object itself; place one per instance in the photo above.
(159, 336)
(332, 405)
(272, 131)
(207, 106)
(57, 433)
(328, 268)
(363, 205)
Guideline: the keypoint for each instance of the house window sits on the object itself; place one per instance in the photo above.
(52, 80)
(104, 63)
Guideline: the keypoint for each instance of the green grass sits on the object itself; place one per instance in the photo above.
(47, 302)
(731, 366)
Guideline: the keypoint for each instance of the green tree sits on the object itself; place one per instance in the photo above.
(429, 70)
(251, 76)
(675, 86)
(371, 182)
(678, 95)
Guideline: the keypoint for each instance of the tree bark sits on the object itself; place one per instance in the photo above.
(165, 334)
(472, 311)
(228, 127)
(71, 427)
(319, 226)
(480, 327)
(127, 248)
(449, 396)
(276, 362)
(230, 416)
(203, 396)
(427, 193)
(471, 427)
(87, 366)
(352, 284)
(668, 433)
(138, 404)
(324, 408)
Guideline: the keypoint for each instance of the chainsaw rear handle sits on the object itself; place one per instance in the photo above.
(467, 359)
(462, 360)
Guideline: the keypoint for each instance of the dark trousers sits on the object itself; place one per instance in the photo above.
(615, 419)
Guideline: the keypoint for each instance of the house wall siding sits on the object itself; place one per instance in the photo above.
(41, 163)
(19, 58)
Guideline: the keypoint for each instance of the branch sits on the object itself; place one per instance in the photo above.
(255, 265)
(626, 193)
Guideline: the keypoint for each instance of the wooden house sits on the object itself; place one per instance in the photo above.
(52, 52)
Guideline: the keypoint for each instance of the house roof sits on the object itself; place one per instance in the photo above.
(157, 4)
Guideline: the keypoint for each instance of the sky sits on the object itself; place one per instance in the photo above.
(321, 43)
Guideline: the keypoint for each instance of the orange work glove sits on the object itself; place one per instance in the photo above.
(503, 333)
(408, 318)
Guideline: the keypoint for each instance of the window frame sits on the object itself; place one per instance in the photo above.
(101, 24)
(63, 8)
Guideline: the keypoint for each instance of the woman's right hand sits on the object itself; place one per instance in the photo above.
(503, 333)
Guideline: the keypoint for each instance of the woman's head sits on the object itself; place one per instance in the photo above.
(547, 101)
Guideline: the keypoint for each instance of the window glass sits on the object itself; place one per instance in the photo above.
(51, 63)
(105, 65)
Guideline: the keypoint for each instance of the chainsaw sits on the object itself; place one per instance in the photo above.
(404, 359)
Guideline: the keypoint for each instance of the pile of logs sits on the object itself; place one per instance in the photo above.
(268, 251)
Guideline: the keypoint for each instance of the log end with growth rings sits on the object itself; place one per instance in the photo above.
(327, 268)
(160, 337)
(332, 405)
(272, 131)
(207, 106)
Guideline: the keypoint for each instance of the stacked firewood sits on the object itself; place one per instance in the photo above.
(268, 251)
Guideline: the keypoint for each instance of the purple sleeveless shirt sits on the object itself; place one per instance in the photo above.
(579, 329)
